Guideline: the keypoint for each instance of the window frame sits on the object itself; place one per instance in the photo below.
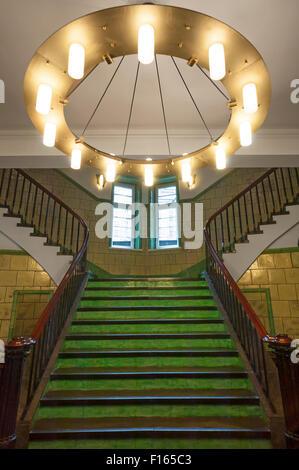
(133, 184)
(153, 228)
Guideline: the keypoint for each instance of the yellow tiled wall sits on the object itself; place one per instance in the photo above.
(30, 305)
(18, 272)
(278, 271)
(142, 262)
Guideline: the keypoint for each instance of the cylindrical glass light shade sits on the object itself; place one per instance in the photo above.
(148, 176)
(220, 158)
(186, 171)
(110, 173)
(250, 98)
(76, 159)
(49, 134)
(245, 134)
(146, 44)
(217, 61)
(43, 99)
(76, 61)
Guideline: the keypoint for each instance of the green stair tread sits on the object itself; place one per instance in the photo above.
(148, 288)
(164, 308)
(153, 443)
(148, 352)
(123, 298)
(173, 375)
(132, 336)
(147, 279)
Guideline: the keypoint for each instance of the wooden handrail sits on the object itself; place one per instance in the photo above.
(54, 300)
(45, 190)
(240, 194)
(234, 286)
(261, 330)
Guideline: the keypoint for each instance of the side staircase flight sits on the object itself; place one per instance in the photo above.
(149, 363)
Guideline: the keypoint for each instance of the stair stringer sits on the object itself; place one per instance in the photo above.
(47, 256)
(246, 253)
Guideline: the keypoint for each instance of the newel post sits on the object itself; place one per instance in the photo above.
(10, 387)
(287, 364)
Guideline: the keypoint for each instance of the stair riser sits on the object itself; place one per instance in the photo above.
(154, 434)
(131, 303)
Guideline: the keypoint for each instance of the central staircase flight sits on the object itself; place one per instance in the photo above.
(149, 363)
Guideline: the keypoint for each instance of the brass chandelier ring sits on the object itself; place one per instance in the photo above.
(111, 33)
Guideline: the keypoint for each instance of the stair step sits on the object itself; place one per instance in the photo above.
(149, 397)
(144, 308)
(132, 288)
(153, 297)
(216, 352)
(132, 336)
(92, 373)
(121, 428)
(150, 321)
(143, 279)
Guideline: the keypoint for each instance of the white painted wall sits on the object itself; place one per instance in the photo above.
(290, 239)
(47, 256)
(246, 253)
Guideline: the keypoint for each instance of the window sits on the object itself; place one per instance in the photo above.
(167, 217)
(122, 223)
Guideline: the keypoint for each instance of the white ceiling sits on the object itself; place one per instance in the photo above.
(271, 25)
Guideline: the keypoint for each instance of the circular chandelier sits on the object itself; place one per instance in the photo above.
(64, 61)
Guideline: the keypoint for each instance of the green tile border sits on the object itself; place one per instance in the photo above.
(15, 301)
(267, 292)
(271, 251)
(14, 252)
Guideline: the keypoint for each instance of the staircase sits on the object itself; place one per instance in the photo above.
(149, 363)
(54, 261)
(245, 254)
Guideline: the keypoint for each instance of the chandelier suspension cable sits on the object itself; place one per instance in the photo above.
(162, 104)
(212, 81)
(131, 108)
(101, 98)
(197, 108)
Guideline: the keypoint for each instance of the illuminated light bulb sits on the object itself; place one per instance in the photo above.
(149, 159)
(110, 173)
(43, 99)
(250, 98)
(100, 181)
(148, 176)
(217, 61)
(220, 158)
(186, 171)
(76, 61)
(245, 134)
(49, 134)
(76, 159)
(146, 44)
